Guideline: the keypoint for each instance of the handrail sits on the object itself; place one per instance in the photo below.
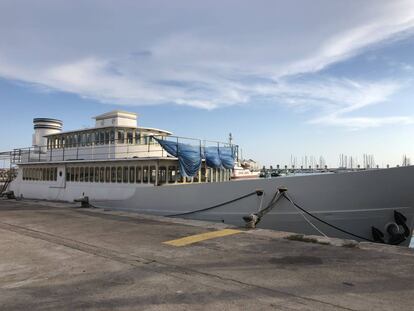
(107, 150)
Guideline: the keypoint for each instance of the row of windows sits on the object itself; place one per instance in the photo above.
(140, 174)
(99, 137)
(40, 173)
(125, 174)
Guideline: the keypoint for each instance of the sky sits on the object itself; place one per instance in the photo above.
(288, 79)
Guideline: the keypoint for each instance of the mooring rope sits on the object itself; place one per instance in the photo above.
(323, 221)
(257, 192)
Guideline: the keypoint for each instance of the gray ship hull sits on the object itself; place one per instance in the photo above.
(354, 201)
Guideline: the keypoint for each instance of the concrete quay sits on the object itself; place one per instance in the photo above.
(56, 256)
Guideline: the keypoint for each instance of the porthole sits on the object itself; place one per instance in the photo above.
(60, 173)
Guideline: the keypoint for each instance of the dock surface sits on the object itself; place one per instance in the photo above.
(55, 256)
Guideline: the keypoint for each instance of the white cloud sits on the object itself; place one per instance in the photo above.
(355, 123)
(205, 55)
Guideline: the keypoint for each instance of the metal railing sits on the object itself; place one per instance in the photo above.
(113, 150)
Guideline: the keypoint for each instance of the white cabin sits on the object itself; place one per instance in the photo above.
(112, 158)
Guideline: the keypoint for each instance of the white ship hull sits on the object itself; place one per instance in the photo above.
(355, 201)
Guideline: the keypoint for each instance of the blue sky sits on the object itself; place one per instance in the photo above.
(284, 77)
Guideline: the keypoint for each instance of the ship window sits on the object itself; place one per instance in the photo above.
(162, 175)
(203, 174)
(107, 137)
(75, 140)
(107, 174)
(145, 174)
(119, 174)
(76, 173)
(112, 136)
(101, 174)
(195, 178)
(113, 174)
(153, 174)
(72, 174)
(96, 174)
(131, 174)
(121, 136)
(138, 174)
(145, 139)
(101, 137)
(179, 177)
(125, 174)
(92, 138)
(91, 175)
(86, 177)
(44, 173)
(83, 139)
(171, 174)
(81, 173)
(67, 174)
(137, 137)
(130, 137)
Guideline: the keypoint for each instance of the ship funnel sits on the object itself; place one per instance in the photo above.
(45, 126)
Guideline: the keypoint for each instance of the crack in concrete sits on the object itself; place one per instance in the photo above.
(172, 270)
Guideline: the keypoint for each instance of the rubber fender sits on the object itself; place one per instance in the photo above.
(377, 235)
(396, 239)
(401, 220)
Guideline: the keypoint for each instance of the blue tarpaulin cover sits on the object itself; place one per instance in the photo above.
(212, 157)
(226, 157)
(190, 157)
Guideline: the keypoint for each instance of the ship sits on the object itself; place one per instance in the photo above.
(120, 165)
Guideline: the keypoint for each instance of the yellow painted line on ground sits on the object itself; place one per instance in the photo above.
(202, 237)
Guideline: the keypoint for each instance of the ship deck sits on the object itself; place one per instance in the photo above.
(56, 256)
